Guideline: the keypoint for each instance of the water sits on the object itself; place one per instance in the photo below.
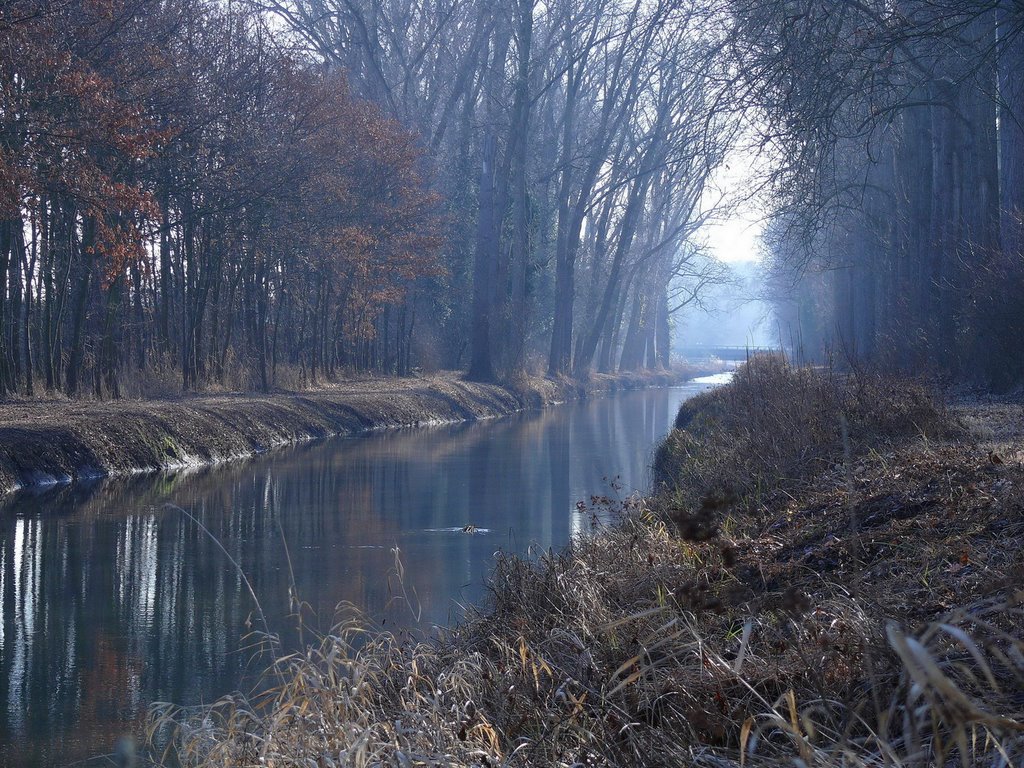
(113, 600)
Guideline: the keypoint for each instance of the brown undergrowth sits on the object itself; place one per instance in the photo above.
(856, 599)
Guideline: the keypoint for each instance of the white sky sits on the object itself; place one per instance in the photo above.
(734, 234)
(736, 238)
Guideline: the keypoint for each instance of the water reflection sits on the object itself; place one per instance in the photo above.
(112, 600)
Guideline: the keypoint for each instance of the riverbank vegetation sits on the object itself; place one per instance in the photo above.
(184, 202)
(845, 592)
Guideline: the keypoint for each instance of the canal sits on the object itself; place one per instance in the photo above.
(124, 592)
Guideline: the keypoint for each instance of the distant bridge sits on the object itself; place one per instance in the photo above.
(705, 352)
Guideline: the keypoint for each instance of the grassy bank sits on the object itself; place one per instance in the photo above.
(46, 441)
(830, 573)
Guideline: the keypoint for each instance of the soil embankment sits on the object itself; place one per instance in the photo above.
(57, 441)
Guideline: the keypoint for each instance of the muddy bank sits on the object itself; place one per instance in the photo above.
(44, 442)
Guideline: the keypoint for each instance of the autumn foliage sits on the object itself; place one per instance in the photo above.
(180, 197)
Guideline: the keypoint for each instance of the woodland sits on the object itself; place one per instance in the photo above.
(897, 227)
(225, 194)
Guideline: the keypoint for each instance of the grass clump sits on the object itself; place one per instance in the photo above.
(776, 423)
(709, 628)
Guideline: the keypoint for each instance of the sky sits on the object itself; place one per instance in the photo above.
(736, 238)
(734, 235)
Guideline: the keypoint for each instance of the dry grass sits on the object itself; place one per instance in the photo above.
(866, 609)
(778, 424)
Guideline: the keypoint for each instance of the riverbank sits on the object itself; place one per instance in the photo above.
(831, 572)
(57, 441)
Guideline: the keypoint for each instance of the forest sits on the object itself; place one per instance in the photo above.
(204, 194)
(897, 227)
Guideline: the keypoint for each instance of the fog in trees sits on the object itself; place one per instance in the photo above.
(896, 193)
(199, 194)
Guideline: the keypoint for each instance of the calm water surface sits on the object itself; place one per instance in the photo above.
(112, 600)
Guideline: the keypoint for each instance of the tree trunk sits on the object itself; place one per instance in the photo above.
(1011, 131)
(481, 366)
(492, 196)
(78, 314)
(630, 220)
(518, 311)
(560, 356)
